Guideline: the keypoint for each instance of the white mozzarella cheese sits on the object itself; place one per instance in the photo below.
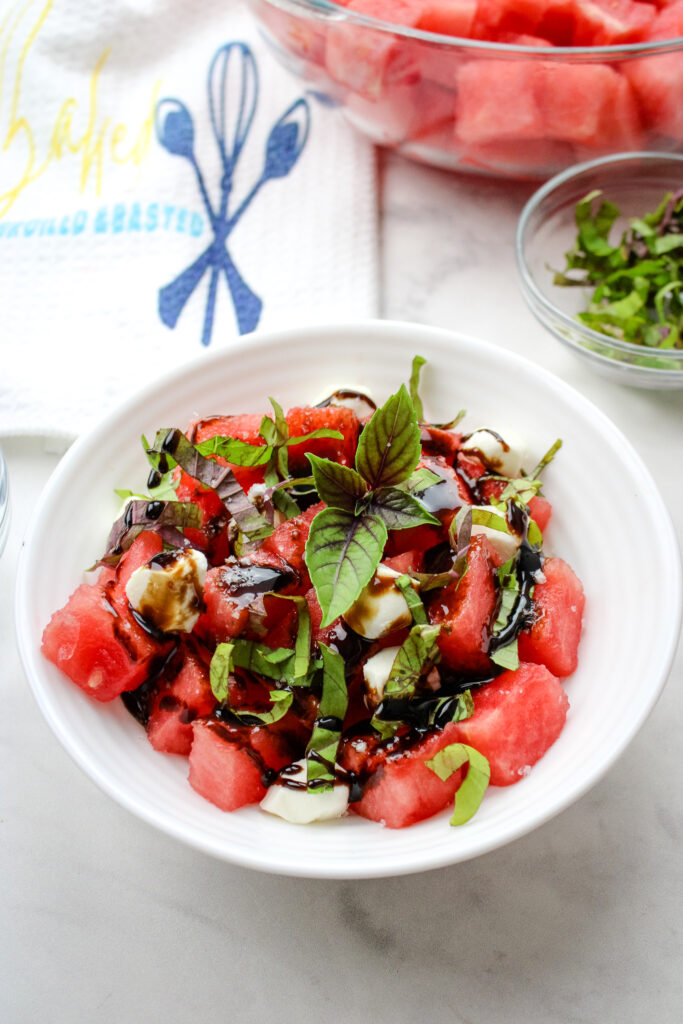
(381, 607)
(376, 672)
(168, 590)
(289, 798)
(507, 458)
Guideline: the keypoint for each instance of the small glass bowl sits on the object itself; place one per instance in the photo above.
(636, 183)
(4, 503)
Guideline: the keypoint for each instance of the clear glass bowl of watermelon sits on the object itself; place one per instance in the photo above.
(499, 87)
(636, 183)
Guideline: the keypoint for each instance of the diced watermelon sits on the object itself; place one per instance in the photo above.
(212, 536)
(225, 616)
(94, 638)
(405, 111)
(658, 85)
(496, 100)
(245, 428)
(589, 105)
(367, 60)
(466, 612)
(517, 717)
(288, 541)
(611, 22)
(583, 104)
(223, 767)
(305, 419)
(401, 789)
(540, 510)
(553, 639)
(178, 704)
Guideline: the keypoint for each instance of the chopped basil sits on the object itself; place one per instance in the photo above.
(417, 654)
(637, 282)
(414, 384)
(219, 675)
(166, 518)
(172, 445)
(321, 752)
(471, 792)
(417, 609)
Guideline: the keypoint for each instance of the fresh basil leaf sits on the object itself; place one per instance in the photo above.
(414, 384)
(420, 481)
(389, 446)
(482, 517)
(281, 703)
(321, 752)
(285, 504)
(342, 553)
(418, 652)
(417, 609)
(471, 792)
(338, 486)
(314, 434)
(398, 509)
(219, 672)
(452, 424)
(302, 647)
(239, 453)
(594, 229)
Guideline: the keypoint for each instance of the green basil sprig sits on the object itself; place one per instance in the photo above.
(347, 538)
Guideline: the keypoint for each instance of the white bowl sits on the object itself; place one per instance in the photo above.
(609, 522)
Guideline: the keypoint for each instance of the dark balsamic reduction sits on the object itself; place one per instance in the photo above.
(438, 558)
(149, 627)
(472, 483)
(329, 722)
(244, 582)
(416, 711)
(154, 509)
(529, 562)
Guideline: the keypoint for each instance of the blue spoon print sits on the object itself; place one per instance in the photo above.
(233, 68)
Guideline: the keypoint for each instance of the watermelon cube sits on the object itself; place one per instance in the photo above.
(305, 419)
(178, 704)
(466, 612)
(516, 719)
(223, 767)
(95, 640)
(553, 639)
(401, 789)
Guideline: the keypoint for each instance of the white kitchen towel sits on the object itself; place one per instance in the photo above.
(164, 187)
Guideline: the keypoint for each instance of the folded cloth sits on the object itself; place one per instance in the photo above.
(165, 186)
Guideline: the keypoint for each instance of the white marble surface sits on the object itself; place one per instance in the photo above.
(110, 922)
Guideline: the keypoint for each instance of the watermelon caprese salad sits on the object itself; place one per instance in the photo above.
(341, 608)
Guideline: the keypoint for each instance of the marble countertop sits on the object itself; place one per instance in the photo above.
(107, 921)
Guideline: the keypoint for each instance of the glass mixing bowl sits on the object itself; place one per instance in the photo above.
(511, 109)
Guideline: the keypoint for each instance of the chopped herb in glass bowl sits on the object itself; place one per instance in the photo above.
(637, 279)
(615, 226)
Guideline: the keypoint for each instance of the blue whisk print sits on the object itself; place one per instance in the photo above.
(233, 97)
